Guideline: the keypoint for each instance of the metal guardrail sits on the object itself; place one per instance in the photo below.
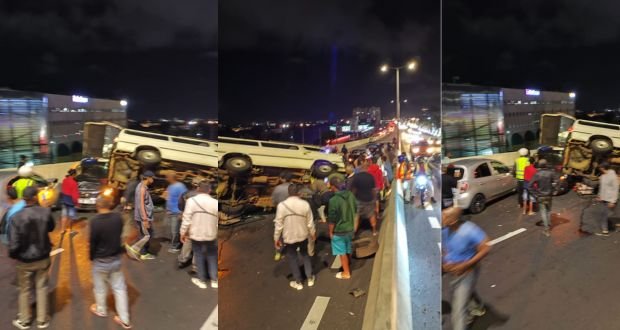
(389, 306)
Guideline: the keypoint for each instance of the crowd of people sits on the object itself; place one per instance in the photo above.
(26, 227)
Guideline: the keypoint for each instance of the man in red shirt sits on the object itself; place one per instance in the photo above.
(69, 200)
(528, 197)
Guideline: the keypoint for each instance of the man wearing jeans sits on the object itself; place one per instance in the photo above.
(143, 216)
(464, 244)
(541, 185)
(174, 191)
(607, 195)
(30, 245)
(106, 229)
(200, 225)
(294, 223)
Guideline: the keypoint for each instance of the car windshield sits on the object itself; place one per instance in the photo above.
(92, 172)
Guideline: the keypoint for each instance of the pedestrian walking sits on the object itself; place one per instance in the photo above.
(173, 214)
(448, 186)
(365, 189)
(200, 226)
(464, 245)
(294, 223)
(341, 220)
(528, 196)
(186, 257)
(143, 218)
(14, 205)
(607, 195)
(30, 246)
(279, 194)
(106, 230)
(69, 198)
(541, 185)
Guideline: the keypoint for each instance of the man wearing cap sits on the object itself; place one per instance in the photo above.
(30, 245)
(607, 195)
(69, 197)
(25, 180)
(143, 216)
(541, 185)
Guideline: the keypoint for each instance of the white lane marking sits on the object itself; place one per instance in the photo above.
(316, 313)
(439, 245)
(429, 207)
(336, 264)
(56, 251)
(434, 222)
(507, 236)
(211, 322)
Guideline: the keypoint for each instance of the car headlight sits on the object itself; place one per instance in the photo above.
(416, 150)
(430, 150)
(421, 180)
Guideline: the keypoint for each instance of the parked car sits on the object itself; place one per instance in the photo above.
(92, 176)
(238, 156)
(480, 181)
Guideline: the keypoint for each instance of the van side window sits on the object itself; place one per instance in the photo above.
(146, 135)
(189, 141)
(279, 146)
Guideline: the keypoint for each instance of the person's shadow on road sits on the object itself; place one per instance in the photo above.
(492, 317)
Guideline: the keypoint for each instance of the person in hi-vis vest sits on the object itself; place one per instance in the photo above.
(520, 164)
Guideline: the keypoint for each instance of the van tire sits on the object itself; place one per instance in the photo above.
(322, 169)
(148, 157)
(601, 146)
(237, 165)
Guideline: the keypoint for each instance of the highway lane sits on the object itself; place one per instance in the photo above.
(530, 281)
(160, 296)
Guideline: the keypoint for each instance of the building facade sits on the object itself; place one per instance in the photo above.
(48, 127)
(363, 118)
(481, 120)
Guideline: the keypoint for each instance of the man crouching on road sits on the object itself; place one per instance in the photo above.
(464, 244)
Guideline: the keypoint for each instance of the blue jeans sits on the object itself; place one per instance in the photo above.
(464, 298)
(175, 229)
(205, 254)
(544, 203)
(142, 245)
(108, 271)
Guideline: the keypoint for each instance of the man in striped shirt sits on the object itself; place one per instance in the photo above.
(143, 216)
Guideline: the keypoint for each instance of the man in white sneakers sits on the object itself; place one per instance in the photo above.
(200, 225)
(295, 223)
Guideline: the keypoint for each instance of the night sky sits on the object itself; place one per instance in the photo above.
(161, 55)
(317, 59)
(551, 45)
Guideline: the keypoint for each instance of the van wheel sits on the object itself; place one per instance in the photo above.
(149, 157)
(238, 165)
(478, 204)
(322, 169)
(601, 146)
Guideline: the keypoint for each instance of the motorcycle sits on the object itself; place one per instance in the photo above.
(421, 185)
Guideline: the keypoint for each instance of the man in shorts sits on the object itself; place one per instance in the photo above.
(341, 216)
(69, 198)
(364, 188)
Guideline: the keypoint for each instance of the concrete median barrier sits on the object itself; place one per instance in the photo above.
(389, 295)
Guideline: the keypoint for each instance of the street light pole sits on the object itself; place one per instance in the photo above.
(398, 94)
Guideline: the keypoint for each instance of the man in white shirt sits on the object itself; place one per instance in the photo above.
(200, 225)
(295, 224)
(607, 194)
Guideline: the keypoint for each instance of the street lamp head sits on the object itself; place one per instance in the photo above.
(384, 68)
(411, 65)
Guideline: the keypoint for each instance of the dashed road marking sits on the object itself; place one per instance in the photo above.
(429, 207)
(507, 236)
(439, 245)
(211, 322)
(434, 222)
(316, 313)
(56, 251)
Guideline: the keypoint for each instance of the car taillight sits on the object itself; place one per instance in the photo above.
(558, 168)
(570, 129)
(104, 181)
(464, 187)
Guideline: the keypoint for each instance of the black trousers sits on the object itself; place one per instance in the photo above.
(520, 184)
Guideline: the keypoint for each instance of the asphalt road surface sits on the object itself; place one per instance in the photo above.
(160, 296)
(529, 281)
(255, 292)
(423, 238)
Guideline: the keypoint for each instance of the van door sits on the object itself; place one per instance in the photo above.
(99, 138)
(554, 129)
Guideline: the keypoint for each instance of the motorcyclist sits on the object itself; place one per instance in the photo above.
(423, 169)
(25, 180)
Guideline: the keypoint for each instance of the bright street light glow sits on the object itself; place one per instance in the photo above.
(405, 100)
(384, 68)
(572, 95)
(411, 66)
(123, 103)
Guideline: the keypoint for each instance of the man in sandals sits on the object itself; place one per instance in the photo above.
(342, 210)
(143, 216)
(106, 229)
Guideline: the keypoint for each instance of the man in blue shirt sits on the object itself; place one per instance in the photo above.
(464, 244)
(14, 205)
(173, 193)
